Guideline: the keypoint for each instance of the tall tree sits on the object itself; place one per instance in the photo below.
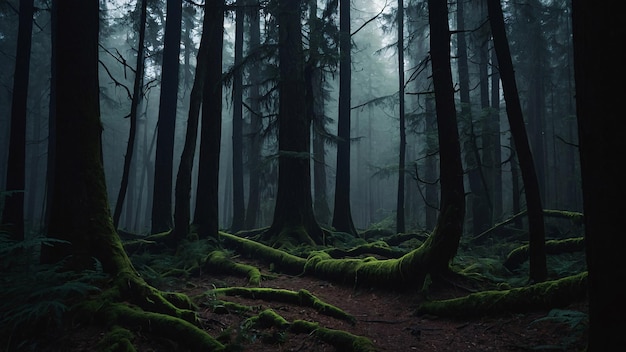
(256, 124)
(600, 90)
(537, 253)
(294, 220)
(342, 214)
(239, 207)
(452, 197)
(79, 211)
(182, 195)
(164, 159)
(400, 225)
(13, 214)
(206, 213)
(134, 107)
(315, 109)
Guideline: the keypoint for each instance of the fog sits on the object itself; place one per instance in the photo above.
(546, 91)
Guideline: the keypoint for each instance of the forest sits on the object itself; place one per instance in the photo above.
(290, 175)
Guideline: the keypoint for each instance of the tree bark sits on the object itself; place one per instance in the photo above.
(294, 221)
(342, 215)
(182, 209)
(600, 90)
(538, 268)
(13, 214)
(239, 208)
(134, 105)
(163, 164)
(447, 233)
(400, 218)
(206, 213)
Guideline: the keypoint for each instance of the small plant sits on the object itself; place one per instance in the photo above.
(34, 296)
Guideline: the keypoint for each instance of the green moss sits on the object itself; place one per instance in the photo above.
(265, 319)
(341, 340)
(545, 295)
(117, 339)
(302, 298)
(218, 261)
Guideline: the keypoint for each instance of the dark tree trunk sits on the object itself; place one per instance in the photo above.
(79, 210)
(600, 91)
(495, 145)
(256, 124)
(315, 110)
(449, 228)
(182, 199)
(163, 164)
(13, 214)
(342, 215)
(294, 220)
(400, 219)
(537, 253)
(206, 213)
(134, 105)
(239, 207)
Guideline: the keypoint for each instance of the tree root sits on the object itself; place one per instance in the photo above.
(302, 298)
(220, 262)
(341, 340)
(545, 295)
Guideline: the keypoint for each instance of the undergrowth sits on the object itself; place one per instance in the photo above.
(35, 296)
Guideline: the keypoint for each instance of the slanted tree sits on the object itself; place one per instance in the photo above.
(13, 214)
(133, 116)
(342, 214)
(538, 268)
(164, 159)
(294, 220)
(182, 199)
(600, 90)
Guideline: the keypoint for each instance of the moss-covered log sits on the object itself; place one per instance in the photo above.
(341, 340)
(218, 261)
(302, 298)
(545, 295)
(380, 248)
(520, 254)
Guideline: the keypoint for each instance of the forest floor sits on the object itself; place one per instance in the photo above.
(385, 317)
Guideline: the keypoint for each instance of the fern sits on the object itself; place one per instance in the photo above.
(34, 294)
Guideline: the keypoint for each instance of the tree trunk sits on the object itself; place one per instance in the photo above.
(538, 268)
(182, 209)
(294, 221)
(134, 105)
(79, 210)
(206, 213)
(256, 124)
(342, 215)
(239, 207)
(400, 218)
(13, 214)
(163, 164)
(447, 234)
(600, 90)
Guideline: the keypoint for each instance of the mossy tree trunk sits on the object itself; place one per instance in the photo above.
(79, 210)
(294, 219)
